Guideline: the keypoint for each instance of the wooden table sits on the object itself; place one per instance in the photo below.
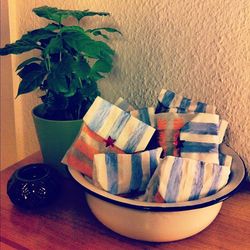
(69, 224)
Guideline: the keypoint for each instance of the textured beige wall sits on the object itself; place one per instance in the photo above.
(198, 48)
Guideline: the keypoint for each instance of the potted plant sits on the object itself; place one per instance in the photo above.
(71, 60)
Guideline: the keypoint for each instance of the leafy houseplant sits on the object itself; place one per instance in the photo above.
(71, 62)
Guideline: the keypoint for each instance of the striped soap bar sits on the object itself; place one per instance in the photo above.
(125, 173)
(128, 133)
(123, 104)
(200, 138)
(81, 154)
(146, 115)
(182, 179)
(168, 127)
(170, 101)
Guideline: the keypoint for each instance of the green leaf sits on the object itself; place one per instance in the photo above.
(50, 13)
(28, 41)
(55, 46)
(30, 71)
(18, 47)
(65, 76)
(73, 28)
(61, 84)
(112, 30)
(57, 82)
(76, 38)
(73, 86)
(58, 15)
(97, 49)
(80, 45)
(99, 33)
(52, 27)
(28, 86)
(66, 65)
(81, 14)
(104, 48)
(38, 34)
(89, 91)
(32, 76)
(102, 66)
(28, 61)
(81, 68)
(95, 76)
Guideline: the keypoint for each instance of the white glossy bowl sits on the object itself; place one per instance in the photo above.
(160, 222)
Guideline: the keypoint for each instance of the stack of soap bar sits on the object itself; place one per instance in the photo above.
(200, 138)
(106, 128)
(113, 149)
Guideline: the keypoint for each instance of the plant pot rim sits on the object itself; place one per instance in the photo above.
(34, 114)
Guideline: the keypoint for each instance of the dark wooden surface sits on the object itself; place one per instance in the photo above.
(69, 224)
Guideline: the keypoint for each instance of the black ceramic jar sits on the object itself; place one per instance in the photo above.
(33, 186)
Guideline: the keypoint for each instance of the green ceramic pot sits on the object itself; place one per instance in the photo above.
(55, 138)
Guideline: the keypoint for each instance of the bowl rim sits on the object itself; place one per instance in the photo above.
(19, 173)
(236, 179)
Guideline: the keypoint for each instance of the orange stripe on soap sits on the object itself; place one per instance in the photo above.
(162, 139)
(80, 165)
(92, 134)
(86, 149)
(161, 123)
(98, 138)
(178, 123)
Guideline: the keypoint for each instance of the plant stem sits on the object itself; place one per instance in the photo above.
(48, 58)
(46, 65)
(80, 81)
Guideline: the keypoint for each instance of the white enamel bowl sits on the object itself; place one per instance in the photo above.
(160, 222)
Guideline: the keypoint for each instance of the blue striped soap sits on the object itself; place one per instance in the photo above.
(170, 101)
(125, 173)
(181, 179)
